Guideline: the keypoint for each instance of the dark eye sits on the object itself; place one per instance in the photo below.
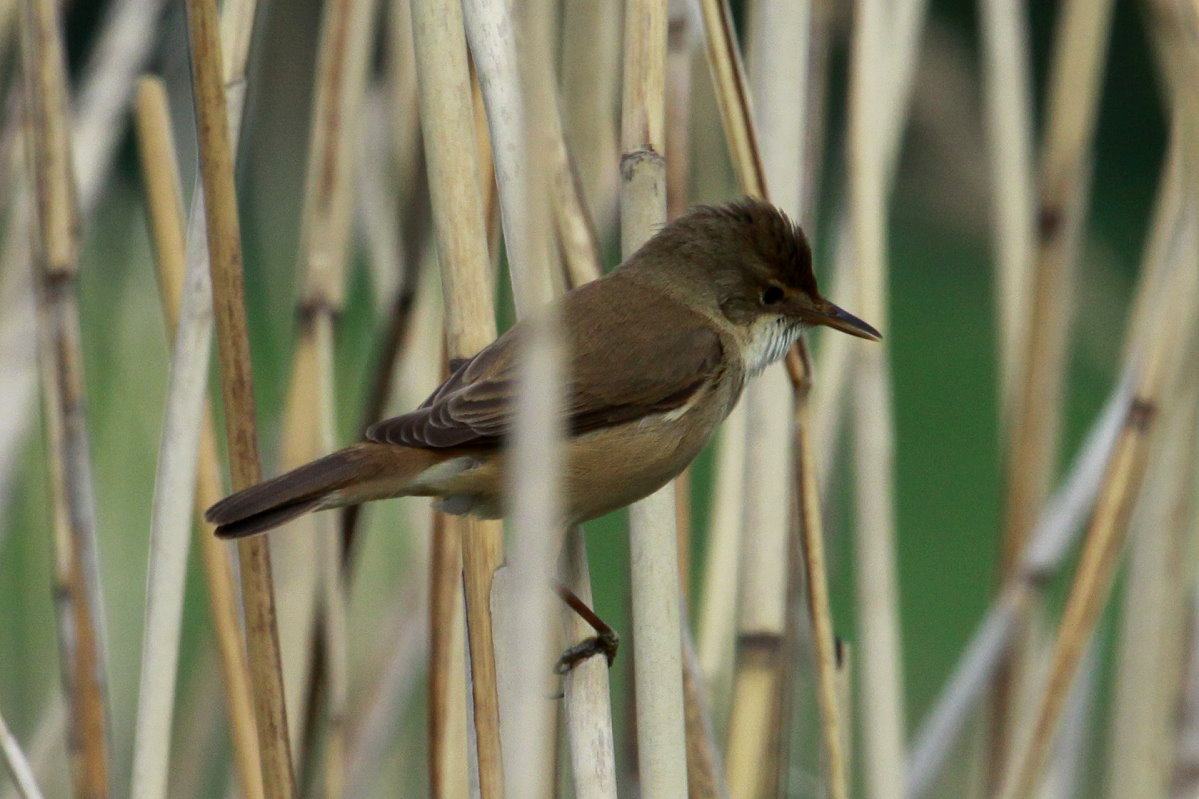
(772, 295)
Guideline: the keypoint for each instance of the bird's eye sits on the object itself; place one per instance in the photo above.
(772, 295)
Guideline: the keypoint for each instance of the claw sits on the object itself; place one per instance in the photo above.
(606, 643)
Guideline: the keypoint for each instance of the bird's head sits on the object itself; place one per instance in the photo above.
(750, 263)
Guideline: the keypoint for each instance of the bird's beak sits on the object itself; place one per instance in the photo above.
(839, 319)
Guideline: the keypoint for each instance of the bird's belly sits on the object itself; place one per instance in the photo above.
(614, 468)
(603, 470)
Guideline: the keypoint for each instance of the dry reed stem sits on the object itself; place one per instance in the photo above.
(343, 52)
(724, 59)
(590, 81)
(872, 116)
(534, 488)
(587, 700)
(585, 689)
(832, 679)
(489, 30)
(680, 47)
(1007, 89)
(718, 604)
(758, 725)
(179, 475)
(447, 120)
(449, 770)
(1184, 761)
(224, 247)
(18, 351)
(705, 768)
(404, 141)
(705, 762)
(732, 95)
(653, 541)
(1074, 82)
(1141, 693)
(79, 605)
(534, 495)
(8, 27)
(1108, 529)
(396, 256)
(576, 233)
(122, 44)
(1150, 652)
(46, 744)
(830, 405)
(127, 36)
(18, 765)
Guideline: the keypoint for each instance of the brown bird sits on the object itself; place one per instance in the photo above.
(659, 351)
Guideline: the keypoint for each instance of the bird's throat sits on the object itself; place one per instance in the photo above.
(769, 340)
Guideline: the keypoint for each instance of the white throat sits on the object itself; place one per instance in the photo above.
(769, 340)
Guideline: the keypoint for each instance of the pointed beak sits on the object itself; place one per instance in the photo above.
(840, 319)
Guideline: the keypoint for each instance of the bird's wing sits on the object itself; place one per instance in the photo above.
(634, 353)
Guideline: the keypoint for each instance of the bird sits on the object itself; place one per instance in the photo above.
(658, 352)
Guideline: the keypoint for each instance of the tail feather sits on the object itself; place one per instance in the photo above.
(313, 486)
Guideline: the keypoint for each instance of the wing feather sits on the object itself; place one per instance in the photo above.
(620, 373)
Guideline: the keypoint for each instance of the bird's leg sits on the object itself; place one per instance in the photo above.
(604, 641)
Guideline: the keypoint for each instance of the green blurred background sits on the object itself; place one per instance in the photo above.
(941, 337)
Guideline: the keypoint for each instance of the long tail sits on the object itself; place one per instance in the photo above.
(346, 477)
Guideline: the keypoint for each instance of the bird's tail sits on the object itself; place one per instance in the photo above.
(346, 477)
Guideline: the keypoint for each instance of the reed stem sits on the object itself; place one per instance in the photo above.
(224, 249)
(18, 766)
(79, 604)
(447, 120)
(661, 741)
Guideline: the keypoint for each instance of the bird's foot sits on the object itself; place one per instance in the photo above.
(605, 642)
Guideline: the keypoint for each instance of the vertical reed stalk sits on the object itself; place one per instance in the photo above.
(590, 68)
(873, 110)
(1007, 88)
(18, 765)
(1184, 762)
(447, 120)
(1075, 76)
(79, 605)
(224, 247)
(449, 772)
(680, 41)
(718, 596)
(757, 728)
(127, 37)
(705, 762)
(662, 756)
(588, 707)
(833, 681)
(518, 104)
(189, 374)
(725, 63)
(172, 518)
(343, 52)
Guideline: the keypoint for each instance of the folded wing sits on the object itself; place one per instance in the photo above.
(626, 363)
